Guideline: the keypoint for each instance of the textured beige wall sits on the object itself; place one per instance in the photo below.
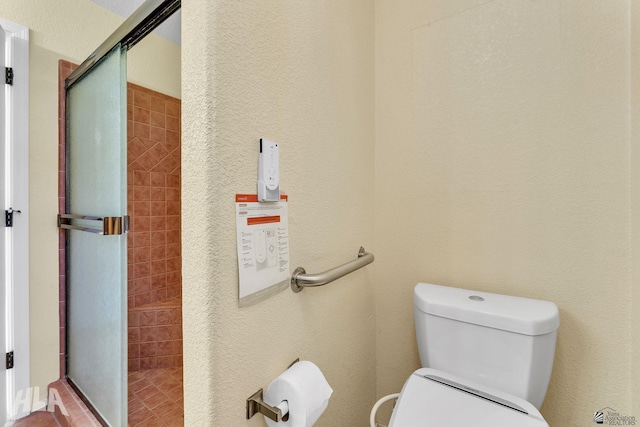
(502, 164)
(71, 30)
(634, 298)
(300, 73)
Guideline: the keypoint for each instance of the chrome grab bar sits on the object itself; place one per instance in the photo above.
(111, 225)
(300, 279)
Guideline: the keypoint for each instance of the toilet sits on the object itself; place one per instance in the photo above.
(486, 358)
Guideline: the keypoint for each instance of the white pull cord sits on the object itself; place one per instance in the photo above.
(374, 410)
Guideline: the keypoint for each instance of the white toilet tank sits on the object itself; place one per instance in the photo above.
(501, 341)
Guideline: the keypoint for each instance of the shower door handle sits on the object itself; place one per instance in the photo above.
(111, 225)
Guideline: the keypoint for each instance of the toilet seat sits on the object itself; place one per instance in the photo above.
(435, 398)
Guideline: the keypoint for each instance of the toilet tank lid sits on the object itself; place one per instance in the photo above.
(521, 315)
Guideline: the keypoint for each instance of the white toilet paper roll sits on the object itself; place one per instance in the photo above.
(306, 391)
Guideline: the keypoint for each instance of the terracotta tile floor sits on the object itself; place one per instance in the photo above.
(76, 414)
(156, 398)
(38, 419)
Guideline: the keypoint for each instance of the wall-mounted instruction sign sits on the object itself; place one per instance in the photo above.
(263, 247)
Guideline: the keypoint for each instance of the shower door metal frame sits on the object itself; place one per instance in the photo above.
(144, 20)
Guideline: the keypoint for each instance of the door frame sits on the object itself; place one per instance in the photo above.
(17, 302)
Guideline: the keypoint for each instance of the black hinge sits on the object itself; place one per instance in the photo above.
(8, 75)
(10, 360)
(8, 217)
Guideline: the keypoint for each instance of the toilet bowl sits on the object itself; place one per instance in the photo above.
(487, 360)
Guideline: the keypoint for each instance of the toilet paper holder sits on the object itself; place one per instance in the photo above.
(255, 405)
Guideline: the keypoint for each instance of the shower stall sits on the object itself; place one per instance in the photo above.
(120, 250)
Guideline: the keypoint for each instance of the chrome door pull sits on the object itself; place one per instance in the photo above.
(111, 225)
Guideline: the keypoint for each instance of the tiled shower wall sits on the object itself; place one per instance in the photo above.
(154, 258)
(153, 196)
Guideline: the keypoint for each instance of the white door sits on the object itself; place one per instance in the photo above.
(14, 240)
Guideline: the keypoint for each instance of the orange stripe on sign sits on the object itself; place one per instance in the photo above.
(263, 220)
(248, 198)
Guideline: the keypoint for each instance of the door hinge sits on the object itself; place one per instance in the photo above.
(8, 217)
(10, 360)
(8, 75)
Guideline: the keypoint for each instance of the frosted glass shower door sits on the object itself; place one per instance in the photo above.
(96, 108)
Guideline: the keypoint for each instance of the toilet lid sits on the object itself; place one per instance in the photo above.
(435, 398)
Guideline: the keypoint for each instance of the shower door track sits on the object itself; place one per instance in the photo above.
(145, 19)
